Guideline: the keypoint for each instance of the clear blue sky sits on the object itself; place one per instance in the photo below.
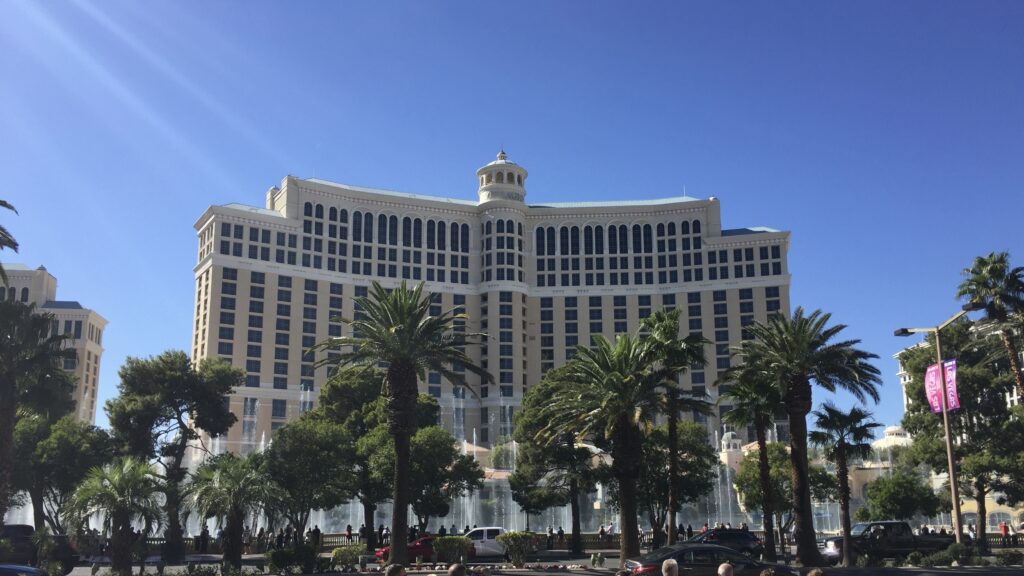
(887, 136)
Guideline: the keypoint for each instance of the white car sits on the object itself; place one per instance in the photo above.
(485, 540)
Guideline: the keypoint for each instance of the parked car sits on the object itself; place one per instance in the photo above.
(23, 549)
(19, 570)
(485, 541)
(419, 548)
(699, 559)
(739, 540)
(888, 539)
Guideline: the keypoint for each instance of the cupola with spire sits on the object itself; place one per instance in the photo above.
(502, 180)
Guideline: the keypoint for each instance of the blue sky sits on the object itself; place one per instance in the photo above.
(887, 136)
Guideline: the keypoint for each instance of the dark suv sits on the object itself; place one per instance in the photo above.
(739, 540)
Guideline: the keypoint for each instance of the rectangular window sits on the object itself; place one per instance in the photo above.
(279, 408)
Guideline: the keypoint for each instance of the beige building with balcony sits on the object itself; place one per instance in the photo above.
(539, 279)
(83, 327)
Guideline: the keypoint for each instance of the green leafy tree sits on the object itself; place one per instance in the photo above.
(54, 459)
(440, 474)
(612, 394)
(308, 462)
(30, 354)
(754, 401)
(229, 487)
(163, 403)
(796, 352)
(396, 327)
(677, 355)
(7, 241)
(843, 436)
(989, 440)
(901, 496)
(557, 473)
(125, 493)
(780, 491)
(993, 284)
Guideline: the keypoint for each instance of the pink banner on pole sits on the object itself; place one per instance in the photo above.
(952, 399)
(933, 388)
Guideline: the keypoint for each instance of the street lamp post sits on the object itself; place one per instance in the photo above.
(954, 490)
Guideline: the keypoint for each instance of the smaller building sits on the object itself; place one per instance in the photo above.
(82, 326)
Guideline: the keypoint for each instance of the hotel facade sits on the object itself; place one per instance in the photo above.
(538, 279)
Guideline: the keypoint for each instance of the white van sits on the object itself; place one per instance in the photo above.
(485, 540)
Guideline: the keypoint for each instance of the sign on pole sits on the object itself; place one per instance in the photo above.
(952, 399)
(933, 388)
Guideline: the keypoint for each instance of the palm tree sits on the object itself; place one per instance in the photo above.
(754, 402)
(677, 354)
(991, 283)
(395, 328)
(124, 492)
(6, 241)
(28, 354)
(843, 436)
(793, 352)
(228, 487)
(615, 392)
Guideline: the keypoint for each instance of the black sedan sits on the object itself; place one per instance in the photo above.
(702, 560)
(19, 570)
(739, 540)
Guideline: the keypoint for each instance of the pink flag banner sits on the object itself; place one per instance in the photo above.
(952, 399)
(933, 388)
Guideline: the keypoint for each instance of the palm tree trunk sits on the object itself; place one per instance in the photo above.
(626, 467)
(7, 412)
(764, 471)
(576, 540)
(843, 475)
(233, 539)
(399, 515)
(121, 544)
(369, 509)
(798, 406)
(1011, 351)
(673, 465)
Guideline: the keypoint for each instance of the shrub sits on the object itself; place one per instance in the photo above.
(304, 558)
(5, 549)
(347, 556)
(943, 558)
(958, 551)
(449, 549)
(914, 558)
(517, 546)
(1009, 558)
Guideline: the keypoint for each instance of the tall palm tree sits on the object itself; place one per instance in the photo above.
(395, 328)
(28, 354)
(677, 354)
(615, 392)
(754, 400)
(124, 492)
(6, 241)
(843, 436)
(228, 487)
(992, 283)
(793, 352)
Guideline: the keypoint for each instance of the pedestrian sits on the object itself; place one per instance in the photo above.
(316, 537)
(561, 536)
(457, 570)
(466, 531)
(412, 533)
(387, 534)
(551, 537)
(670, 568)
(454, 531)
(689, 531)
(395, 570)
(348, 533)
(442, 532)
(725, 569)
(280, 539)
(601, 534)
(1004, 533)
(704, 528)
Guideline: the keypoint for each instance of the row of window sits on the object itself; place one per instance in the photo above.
(618, 238)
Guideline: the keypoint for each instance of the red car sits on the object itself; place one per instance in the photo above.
(421, 548)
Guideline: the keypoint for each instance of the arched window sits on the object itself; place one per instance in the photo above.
(367, 227)
(539, 248)
(574, 240)
(588, 240)
(393, 230)
(332, 214)
(519, 179)
(441, 243)
(501, 226)
(382, 229)
(487, 228)
(431, 242)
(406, 231)
(488, 176)
(696, 226)
(509, 227)
(684, 227)
(551, 240)
(563, 240)
(671, 228)
(648, 239)
(465, 238)
(417, 233)
(24, 294)
(613, 240)
(454, 236)
(623, 239)
(598, 240)
(500, 178)
(637, 238)
(661, 229)
(319, 210)
(519, 227)
(343, 216)
(511, 179)
(307, 210)
(357, 226)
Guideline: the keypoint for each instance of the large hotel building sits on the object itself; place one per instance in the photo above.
(539, 279)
